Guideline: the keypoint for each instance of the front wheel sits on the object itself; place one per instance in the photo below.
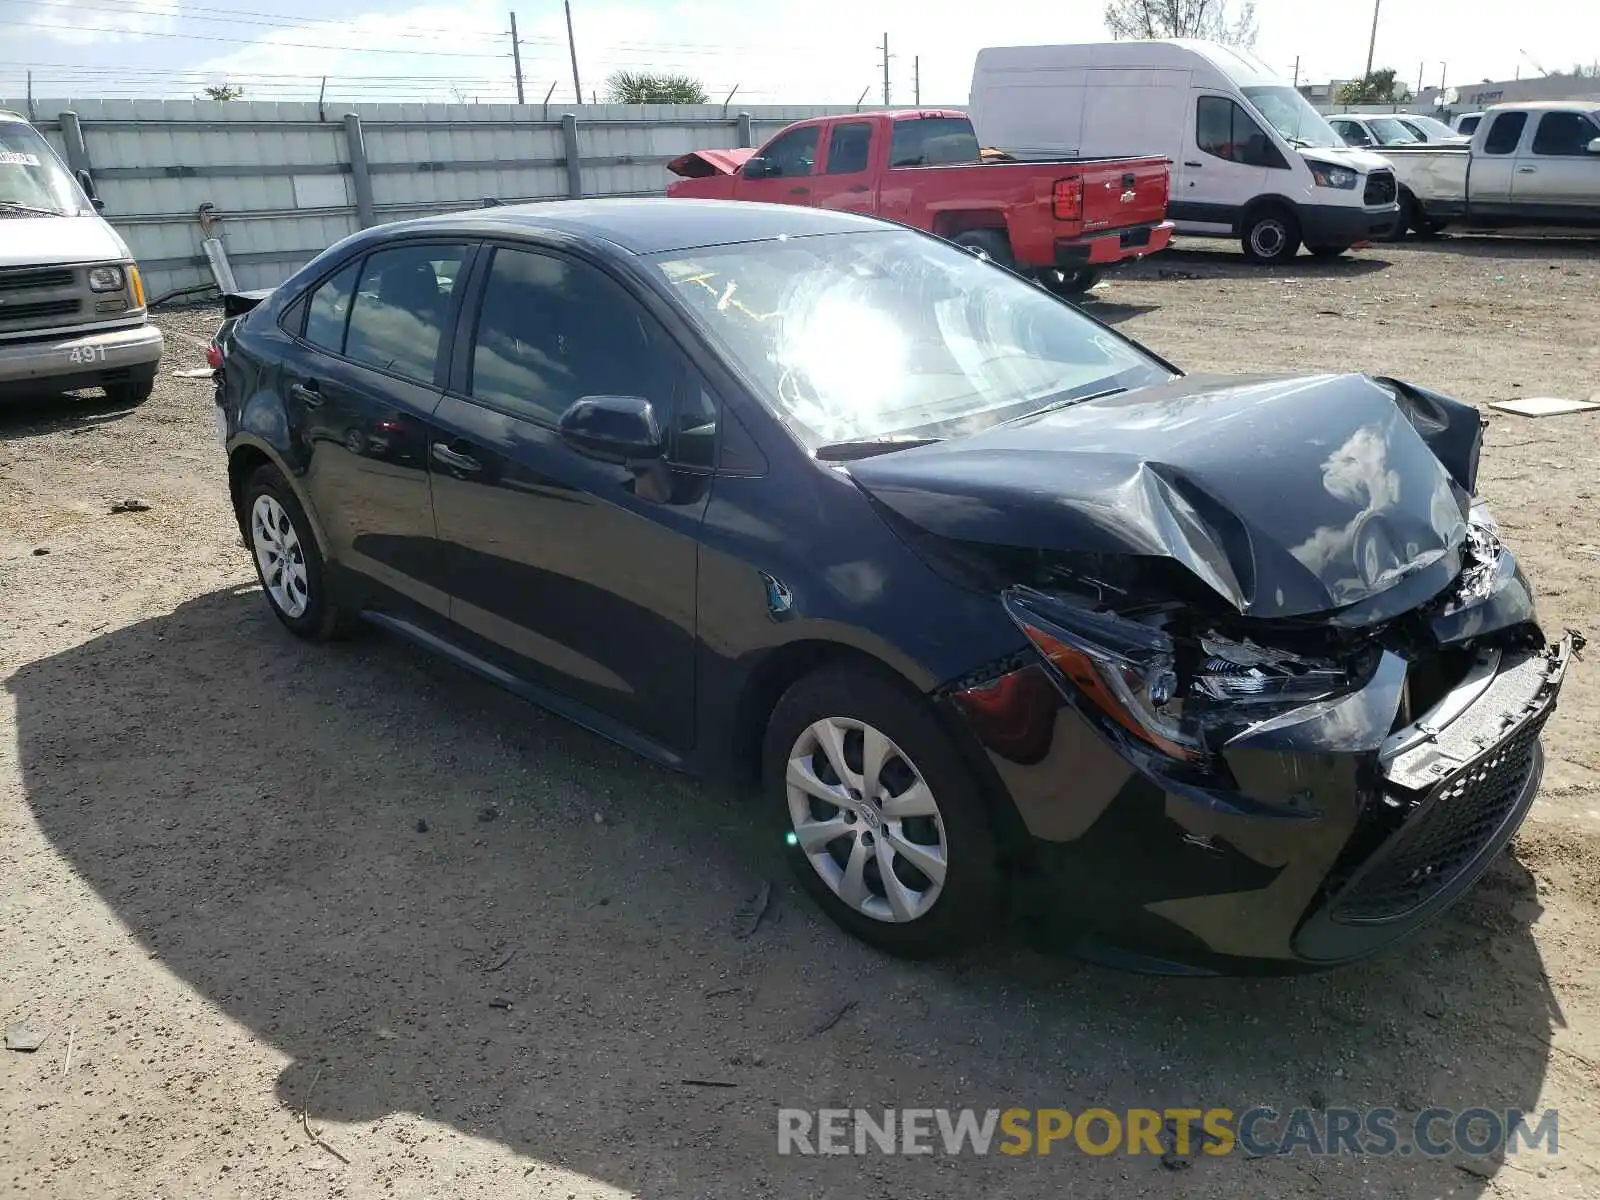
(132, 392)
(1328, 251)
(883, 821)
(1271, 236)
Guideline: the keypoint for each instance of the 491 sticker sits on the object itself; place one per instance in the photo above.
(87, 354)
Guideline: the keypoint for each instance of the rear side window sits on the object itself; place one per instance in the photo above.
(330, 309)
(1505, 133)
(1564, 133)
(397, 317)
(1224, 130)
(847, 148)
(929, 141)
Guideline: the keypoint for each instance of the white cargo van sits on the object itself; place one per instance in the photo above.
(1251, 158)
(72, 305)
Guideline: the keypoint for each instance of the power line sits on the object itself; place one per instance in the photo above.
(202, 37)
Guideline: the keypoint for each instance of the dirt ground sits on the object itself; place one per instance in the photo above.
(214, 884)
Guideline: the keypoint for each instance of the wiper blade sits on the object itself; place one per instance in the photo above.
(1067, 402)
(18, 206)
(867, 447)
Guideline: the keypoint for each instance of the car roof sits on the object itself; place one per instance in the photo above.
(649, 225)
(1588, 106)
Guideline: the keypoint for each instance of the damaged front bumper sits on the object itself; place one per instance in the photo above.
(1342, 828)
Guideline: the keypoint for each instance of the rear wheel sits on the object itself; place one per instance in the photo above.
(992, 243)
(288, 563)
(1070, 283)
(1271, 235)
(883, 821)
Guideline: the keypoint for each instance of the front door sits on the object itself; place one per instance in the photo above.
(576, 575)
(1222, 167)
(1557, 180)
(789, 162)
(362, 389)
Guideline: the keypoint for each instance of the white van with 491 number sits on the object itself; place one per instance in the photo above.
(72, 305)
(1251, 158)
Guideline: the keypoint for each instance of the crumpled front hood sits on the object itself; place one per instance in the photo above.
(1288, 497)
(58, 241)
(703, 164)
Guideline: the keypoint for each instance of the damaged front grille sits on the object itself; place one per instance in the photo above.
(1380, 189)
(1449, 830)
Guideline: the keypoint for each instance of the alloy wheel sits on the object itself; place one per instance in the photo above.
(280, 555)
(866, 820)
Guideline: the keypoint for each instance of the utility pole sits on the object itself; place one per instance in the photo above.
(1421, 66)
(1297, 72)
(516, 56)
(1373, 43)
(572, 46)
(885, 49)
(916, 80)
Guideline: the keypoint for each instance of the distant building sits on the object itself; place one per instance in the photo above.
(1470, 97)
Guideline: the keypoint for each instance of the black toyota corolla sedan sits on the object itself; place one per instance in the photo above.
(1005, 611)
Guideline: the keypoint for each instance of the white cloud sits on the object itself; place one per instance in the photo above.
(66, 21)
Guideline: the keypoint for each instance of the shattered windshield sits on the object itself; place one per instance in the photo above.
(1287, 111)
(32, 179)
(876, 335)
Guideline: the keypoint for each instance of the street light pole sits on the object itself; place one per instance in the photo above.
(1373, 43)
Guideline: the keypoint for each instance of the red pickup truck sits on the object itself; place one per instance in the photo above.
(1060, 221)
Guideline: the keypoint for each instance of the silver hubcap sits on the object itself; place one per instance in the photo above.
(866, 820)
(1267, 238)
(280, 555)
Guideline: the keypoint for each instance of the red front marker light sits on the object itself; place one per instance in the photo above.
(214, 357)
(1068, 199)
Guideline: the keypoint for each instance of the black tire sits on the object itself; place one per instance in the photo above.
(321, 618)
(1070, 283)
(964, 908)
(1271, 235)
(134, 392)
(992, 242)
(1327, 251)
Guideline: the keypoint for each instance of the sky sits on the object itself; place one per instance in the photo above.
(817, 52)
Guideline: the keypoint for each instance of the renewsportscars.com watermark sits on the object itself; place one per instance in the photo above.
(1259, 1131)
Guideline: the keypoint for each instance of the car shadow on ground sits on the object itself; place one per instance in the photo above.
(1468, 245)
(1111, 312)
(1225, 260)
(435, 899)
(37, 416)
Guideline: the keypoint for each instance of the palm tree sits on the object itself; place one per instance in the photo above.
(651, 87)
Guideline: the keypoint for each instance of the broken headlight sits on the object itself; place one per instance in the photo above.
(1171, 692)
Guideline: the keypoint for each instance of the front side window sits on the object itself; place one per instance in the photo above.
(847, 148)
(869, 335)
(793, 153)
(397, 317)
(1352, 133)
(552, 330)
(32, 179)
(1468, 124)
(1225, 130)
(330, 309)
(1564, 134)
(1505, 133)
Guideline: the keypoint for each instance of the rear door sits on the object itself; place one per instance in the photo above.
(1557, 179)
(362, 389)
(848, 168)
(791, 162)
(575, 575)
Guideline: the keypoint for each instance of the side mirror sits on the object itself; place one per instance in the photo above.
(759, 168)
(86, 182)
(1594, 146)
(613, 428)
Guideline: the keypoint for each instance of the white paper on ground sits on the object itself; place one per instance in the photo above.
(1544, 406)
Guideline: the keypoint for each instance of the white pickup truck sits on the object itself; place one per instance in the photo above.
(1528, 166)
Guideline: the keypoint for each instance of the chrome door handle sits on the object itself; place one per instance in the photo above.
(455, 460)
(307, 394)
